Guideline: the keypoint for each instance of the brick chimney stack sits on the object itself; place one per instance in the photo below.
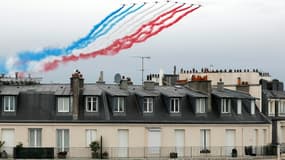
(76, 85)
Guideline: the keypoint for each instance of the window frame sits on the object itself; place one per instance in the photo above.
(92, 133)
(64, 145)
(176, 105)
(252, 107)
(239, 106)
(37, 132)
(226, 105)
(11, 106)
(281, 107)
(62, 109)
(200, 108)
(148, 104)
(205, 140)
(271, 107)
(118, 101)
(93, 100)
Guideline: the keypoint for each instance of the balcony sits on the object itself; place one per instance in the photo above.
(260, 152)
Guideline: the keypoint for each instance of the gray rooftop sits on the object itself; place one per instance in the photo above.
(227, 93)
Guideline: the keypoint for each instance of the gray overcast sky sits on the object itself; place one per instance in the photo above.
(225, 33)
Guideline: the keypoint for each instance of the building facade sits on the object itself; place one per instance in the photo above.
(192, 120)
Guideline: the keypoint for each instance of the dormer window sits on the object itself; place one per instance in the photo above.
(64, 104)
(148, 105)
(252, 107)
(91, 103)
(200, 105)
(9, 103)
(119, 104)
(281, 108)
(271, 108)
(225, 106)
(239, 106)
(174, 105)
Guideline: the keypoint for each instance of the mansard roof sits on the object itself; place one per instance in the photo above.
(37, 104)
(227, 93)
(274, 94)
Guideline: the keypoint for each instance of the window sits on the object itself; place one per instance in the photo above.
(281, 109)
(9, 103)
(226, 105)
(154, 141)
(174, 105)
(90, 136)
(148, 105)
(230, 141)
(239, 106)
(180, 142)
(252, 106)
(62, 139)
(123, 142)
(91, 104)
(63, 104)
(119, 104)
(201, 105)
(205, 140)
(35, 137)
(271, 108)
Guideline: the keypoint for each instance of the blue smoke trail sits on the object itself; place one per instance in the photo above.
(91, 37)
(94, 29)
(100, 33)
(94, 34)
(27, 56)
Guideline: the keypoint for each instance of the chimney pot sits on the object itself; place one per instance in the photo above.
(124, 84)
(220, 85)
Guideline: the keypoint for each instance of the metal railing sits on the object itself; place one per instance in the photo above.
(164, 152)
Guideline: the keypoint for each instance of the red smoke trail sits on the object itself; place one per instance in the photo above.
(127, 41)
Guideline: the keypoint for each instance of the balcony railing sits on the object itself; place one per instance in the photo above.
(164, 152)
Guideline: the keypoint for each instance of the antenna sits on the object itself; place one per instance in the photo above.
(142, 69)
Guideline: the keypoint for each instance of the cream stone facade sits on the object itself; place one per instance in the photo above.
(245, 135)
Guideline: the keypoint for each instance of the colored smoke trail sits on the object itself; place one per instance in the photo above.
(28, 56)
(97, 31)
(125, 42)
(135, 22)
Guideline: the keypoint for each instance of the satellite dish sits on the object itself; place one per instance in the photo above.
(117, 78)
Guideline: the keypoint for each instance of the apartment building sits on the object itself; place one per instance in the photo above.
(274, 107)
(136, 121)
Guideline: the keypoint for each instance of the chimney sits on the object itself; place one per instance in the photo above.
(220, 85)
(101, 78)
(148, 84)
(281, 86)
(77, 84)
(203, 86)
(124, 84)
(243, 87)
(275, 83)
(238, 81)
(161, 75)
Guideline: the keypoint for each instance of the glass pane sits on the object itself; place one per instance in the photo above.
(172, 105)
(150, 104)
(59, 139)
(116, 99)
(66, 139)
(39, 137)
(31, 137)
